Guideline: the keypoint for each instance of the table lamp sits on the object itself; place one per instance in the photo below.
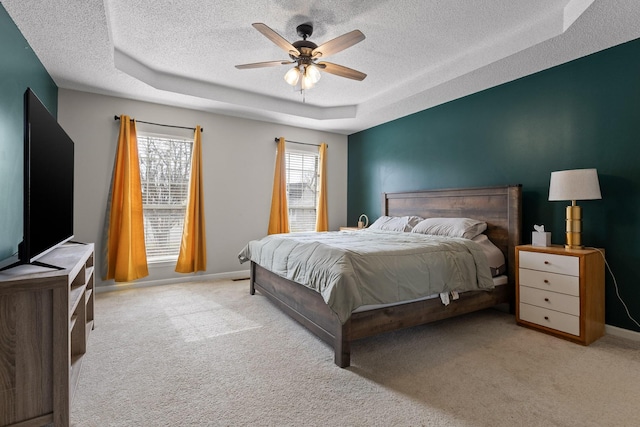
(576, 184)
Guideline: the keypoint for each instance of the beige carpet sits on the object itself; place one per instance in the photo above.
(208, 354)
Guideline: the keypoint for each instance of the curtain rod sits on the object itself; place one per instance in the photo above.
(160, 124)
(296, 142)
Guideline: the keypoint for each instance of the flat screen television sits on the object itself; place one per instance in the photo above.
(48, 183)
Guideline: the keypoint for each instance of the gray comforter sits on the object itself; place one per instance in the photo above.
(356, 268)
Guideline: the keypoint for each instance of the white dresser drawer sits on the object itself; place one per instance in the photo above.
(550, 262)
(550, 281)
(551, 319)
(552, 300)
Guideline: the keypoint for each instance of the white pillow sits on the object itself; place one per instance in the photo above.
(495, 257)
(395, 223)
(451, 227)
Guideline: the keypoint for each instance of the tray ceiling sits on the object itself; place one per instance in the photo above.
(417, 53)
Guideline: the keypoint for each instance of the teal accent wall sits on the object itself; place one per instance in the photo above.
(582, 114)
(19, 68)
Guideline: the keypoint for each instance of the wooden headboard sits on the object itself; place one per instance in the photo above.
(499, 207)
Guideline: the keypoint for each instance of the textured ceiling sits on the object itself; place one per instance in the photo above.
(417, 53)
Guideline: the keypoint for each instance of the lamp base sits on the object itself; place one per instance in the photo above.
(573, 227)
(573, 246)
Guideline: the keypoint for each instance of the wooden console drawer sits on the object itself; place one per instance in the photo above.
(550, 262)
(551, 300)
(551, 319)
(562, 283)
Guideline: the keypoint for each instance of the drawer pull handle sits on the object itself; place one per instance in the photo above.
(547, 262)
(546, 299)
(546, 281)
(546, 317)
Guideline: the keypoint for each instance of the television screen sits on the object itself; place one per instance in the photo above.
(48, 182)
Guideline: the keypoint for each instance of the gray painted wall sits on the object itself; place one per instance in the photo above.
(238, 158)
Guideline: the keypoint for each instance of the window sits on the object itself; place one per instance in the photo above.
(302, 186)
(165, 166)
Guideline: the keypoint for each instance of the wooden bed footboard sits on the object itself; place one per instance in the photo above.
(309, 309)
(304, 305)
(500, 207)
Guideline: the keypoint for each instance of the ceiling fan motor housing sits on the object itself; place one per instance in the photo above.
(305, 48)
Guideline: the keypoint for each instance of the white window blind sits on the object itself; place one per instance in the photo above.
(165, 166)
(302, 185)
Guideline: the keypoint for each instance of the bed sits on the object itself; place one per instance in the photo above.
(499, 207)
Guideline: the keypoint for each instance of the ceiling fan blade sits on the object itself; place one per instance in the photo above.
(263, 64)
(338, 44)
(276, 38)
(341, 71)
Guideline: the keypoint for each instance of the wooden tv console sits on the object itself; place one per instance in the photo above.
(45, 319)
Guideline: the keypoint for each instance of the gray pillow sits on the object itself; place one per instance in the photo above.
(395, 223)
(451, 227)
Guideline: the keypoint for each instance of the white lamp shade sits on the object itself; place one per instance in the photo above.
(312, 73)
(292, 76)
(575, 184)
(307, 83)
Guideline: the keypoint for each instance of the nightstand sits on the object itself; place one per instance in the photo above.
(561, 291)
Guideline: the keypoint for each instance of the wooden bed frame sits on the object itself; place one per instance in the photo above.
(500, 207)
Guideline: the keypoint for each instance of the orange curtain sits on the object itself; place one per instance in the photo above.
(322, 217)
(193, 249)
(279, 218)
(126, 251)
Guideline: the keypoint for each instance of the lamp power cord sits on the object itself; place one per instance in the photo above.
(615, 284)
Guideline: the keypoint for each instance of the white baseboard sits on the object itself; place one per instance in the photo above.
(622, 333)
(233, 275)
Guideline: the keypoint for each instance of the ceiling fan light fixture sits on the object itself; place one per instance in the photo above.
(312, 73)
(306, 83)
(292, 76)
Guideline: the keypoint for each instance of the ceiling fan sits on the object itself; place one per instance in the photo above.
(306, 54)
